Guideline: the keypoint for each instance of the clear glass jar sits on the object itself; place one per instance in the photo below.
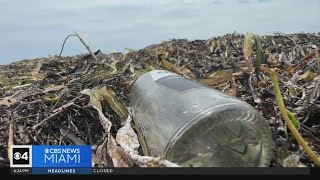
(194, 125)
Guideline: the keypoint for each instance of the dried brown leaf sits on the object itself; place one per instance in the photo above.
(186, 73)
(115, 103)
(217, 78)
(168, 65)
(307, 76)
(292, 69)
(181, 71)
(304, 75)
(95, 99)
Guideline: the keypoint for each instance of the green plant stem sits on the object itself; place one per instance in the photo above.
(285, 116)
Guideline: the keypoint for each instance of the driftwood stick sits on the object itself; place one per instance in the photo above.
(10, 133)
(94, 56)
(88, 48)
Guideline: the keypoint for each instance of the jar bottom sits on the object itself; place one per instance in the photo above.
(225, 136)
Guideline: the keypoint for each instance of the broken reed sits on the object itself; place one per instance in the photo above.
(284, 113)
(250, 41)
(254, 40)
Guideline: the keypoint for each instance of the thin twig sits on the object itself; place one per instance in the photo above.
(45, 120)
(56, 112)
(64, 43)
(310, 134)
(25, 117)
(309, 129)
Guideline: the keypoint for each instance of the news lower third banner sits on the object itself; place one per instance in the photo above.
(37, 159)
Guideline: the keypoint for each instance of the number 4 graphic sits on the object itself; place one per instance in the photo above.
(25, 156)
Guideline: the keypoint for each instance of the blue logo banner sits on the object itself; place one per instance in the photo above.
(61, 156)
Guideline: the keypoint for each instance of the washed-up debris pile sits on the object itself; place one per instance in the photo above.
(84, 100)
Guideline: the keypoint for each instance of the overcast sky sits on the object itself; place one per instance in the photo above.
(37, 28)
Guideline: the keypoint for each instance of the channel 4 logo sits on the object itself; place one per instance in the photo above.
(21, 156)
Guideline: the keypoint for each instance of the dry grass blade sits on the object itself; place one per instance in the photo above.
(258, 61)
(247, 50)
(53, 88)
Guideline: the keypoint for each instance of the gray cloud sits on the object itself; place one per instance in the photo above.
(262, 1)
(243, 1)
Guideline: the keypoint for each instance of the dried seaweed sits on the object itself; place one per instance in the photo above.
(47, 100)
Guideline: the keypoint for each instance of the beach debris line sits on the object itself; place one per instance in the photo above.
(50, 100)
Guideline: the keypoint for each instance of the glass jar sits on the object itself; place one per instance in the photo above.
(197, 126)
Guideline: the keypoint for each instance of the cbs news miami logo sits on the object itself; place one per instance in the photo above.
(45, 159)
